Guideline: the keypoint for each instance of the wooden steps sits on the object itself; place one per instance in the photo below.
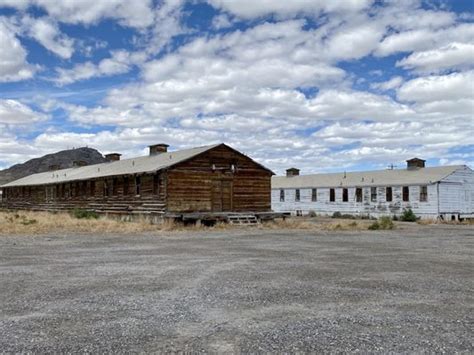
(243, 219)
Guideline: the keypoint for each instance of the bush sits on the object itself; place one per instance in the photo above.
(374, 226)
(384, 223)
(84, 214)
(336, 215)
(408, 216)
(395, 217)
(311, 213)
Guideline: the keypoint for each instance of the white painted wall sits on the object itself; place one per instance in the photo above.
(456, 191)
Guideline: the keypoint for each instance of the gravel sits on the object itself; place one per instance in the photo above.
(243, 290)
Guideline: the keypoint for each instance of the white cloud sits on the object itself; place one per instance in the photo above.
(285, 9)
(453, 56)
(221, 21)
(13, 63)
(137, 13)
(425, 39)
(392, 83)
(119, 62)
(47, 33)
(454, 86)
(15, 113)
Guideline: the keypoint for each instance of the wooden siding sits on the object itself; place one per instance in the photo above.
(457, 192)
(379, 207)
(207, 183)
(104, 195)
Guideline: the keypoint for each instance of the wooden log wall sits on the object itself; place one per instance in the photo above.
(192, 185)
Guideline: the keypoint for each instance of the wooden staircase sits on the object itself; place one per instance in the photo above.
(243, 219)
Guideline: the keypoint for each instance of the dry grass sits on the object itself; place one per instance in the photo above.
(23, 222)
(315, 224)
(32, 223)
(426, 222)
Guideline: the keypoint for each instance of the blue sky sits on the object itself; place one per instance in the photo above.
(323, 86)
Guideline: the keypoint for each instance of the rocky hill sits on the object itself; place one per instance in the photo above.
(63, 158)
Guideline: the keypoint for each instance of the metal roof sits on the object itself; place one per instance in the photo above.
(394, 177)
(144, 164)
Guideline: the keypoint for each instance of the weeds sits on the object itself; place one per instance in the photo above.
(408, 216)
(384, 223)
(84, 214)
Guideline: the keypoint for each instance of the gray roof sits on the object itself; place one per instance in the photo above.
(394, 177)
(146, 164)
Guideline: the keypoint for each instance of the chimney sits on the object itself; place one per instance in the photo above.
(415, 163)
(54, 167)
(292, 172)
(78, 163)
(112, 157)
(158, 148)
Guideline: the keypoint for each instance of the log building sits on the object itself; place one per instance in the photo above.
(214, 178)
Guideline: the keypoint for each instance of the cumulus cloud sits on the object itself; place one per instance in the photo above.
(137, 13)
(392, 83)
(433, 88)
(118, 63)
(453, 56)
(13, 112)
(13, 63)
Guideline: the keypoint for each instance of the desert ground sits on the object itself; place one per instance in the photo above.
(239, 290)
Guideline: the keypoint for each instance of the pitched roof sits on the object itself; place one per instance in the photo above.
(144, 164)
(367, 178)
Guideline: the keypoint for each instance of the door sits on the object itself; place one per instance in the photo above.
(221, 195)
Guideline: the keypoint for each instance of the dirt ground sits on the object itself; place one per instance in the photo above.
(243, 290)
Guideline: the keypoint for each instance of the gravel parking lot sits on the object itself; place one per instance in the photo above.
(407, 290)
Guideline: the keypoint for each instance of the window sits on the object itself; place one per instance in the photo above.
(423, 193)
(406, 194)
(345, 195)
(332, 195)
(126, 184)
(114, 186)
(373, 194)
(106, 188)
(138, 183)
(297, 195)
(358, 194)
(314, 195)
(388, 194)
(282, 195)
(156, 184)
(92, 187)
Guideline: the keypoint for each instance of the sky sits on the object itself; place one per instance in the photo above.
(319, 85)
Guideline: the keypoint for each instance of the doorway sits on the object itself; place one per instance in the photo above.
(222, 195)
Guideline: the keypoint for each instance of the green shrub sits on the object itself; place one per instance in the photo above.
(84, 214)
(311, 213)
(374, 226)
(386, 223)
(408, 216)
(336, 215)
(348, 216)
(395, 217)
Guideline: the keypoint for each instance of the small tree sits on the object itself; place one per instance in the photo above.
(408, 216)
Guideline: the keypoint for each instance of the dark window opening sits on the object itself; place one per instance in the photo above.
(373, 194)
(332, 195)
(423, 193)
(156, 184)
(297, 195)
(126, 183)
(406, 193)
(138, 182)
(114, 186)
(92, 188)
(314, 195)
(388, 194)
(345, 195)
(358, 194)
(282, 195)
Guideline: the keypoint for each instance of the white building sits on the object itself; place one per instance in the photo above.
(444, 191)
